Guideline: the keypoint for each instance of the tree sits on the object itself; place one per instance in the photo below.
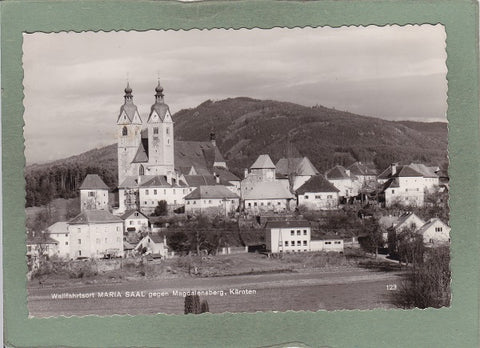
(161, 209)
(371, 236)
(192, 304)
(427, 284)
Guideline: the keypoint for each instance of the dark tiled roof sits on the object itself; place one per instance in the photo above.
(198, 180)
(156, 181)
(404, 217)
(401, 171)
(316, 183)
(391, 183)
(337, 172)
(209, 192)
(95, 216)
(263, 162)
(359, 168)
(160, 108)
(128, 213)
(93, 182)
(197, 154)
(225, 175)
(268, 190)
(287, 224)
(130, 110)
(298, 166)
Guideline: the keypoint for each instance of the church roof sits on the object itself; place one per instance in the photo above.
(298, 166)
(142, 155)
(158, 181)
(225, 174)
(211, 192)
(268, 190)
(197, 154)
(316, 183)
(93, 182)
(263, 162)
(161, 110)
(95, 216)
(199, 180)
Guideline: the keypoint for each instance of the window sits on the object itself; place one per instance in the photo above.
(304, 243)
(66, 243)
(118, 228)
(393, 191)
(141, 170)
(249, 204)
(155, 130)
(79, 241)
(337, 242)
(317, 197)
(124, 131)
(261, 204)
(304, 232)
(255, 204)
(79, 253)
(298, 232)
(131, 222)
(286, 243)
(299, 242)
(269, 203)
(146, 192)
(91, 194)
(278, 203)
(438, 229)
(328, 242)
(430, 240)
(292, 232)
(329, 196)
(98, 240)
(194, 202)
(154, 192)
(167, 130)
(164, 191)
(306, 196)
(173, 191)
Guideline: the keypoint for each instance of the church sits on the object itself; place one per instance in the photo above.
(153, 166)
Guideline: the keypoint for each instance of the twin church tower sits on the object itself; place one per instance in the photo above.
(145, 148)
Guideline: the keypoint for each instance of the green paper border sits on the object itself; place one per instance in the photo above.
(454, 327)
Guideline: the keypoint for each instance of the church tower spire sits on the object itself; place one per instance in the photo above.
(129, 126)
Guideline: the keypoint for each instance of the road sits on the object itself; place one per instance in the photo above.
(314, 290)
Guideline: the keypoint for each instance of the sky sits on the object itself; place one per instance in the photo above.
(74, 82)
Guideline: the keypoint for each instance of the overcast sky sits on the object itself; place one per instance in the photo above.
(74, 82)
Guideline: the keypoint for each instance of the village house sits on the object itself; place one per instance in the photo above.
(317, 193)
(40, 245)
(59, 232)
(153, 244)
(95, 234)
(434, 233)
(347, 184)
(211, 200)
(363, 172)
(93, 193)
(134, 221)
(407, 221)
(261, 171)
(401, 185)
(296, 171)
(161, 188)
(270, 196)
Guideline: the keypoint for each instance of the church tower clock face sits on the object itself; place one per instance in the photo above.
(156, 141)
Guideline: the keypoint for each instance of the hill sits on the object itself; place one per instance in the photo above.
(246, 128)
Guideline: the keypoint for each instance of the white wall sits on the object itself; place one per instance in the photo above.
(319, 200)
(93, 240)
(281, 239)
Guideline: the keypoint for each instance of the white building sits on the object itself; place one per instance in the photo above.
(287, 236)
(347, 184)
(93, 193)
(402, 185)
(95, 234)
(153, 244)
(211, 200)
(318, 193)
(134, 221)
(270, 196)
(364, 173)
(161, 188)
(59, 232)
(435, 232)
(40, 245)
(327, 244)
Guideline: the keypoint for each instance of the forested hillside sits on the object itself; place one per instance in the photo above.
(246, 128)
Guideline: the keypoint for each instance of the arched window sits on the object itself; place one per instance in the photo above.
(124, 131)
(141, 170)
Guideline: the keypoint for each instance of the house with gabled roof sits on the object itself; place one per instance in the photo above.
(211, 200)
(40, 245)
(161, 188)
(270, 196)
(93, 193)
(344, 181)
(95, 234)
(59, 232)
(402, 185)
(435, 232)
(363, 172)
(134, 221)
(153, 244)
(295, 170)
(318, 193)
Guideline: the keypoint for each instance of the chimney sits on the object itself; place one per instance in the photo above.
(212, 139)
(347, 171)
(393, 167)
(217, 178)
(245, 173)
(169, 177)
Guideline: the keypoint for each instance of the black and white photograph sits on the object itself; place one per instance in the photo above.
(249, 170)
